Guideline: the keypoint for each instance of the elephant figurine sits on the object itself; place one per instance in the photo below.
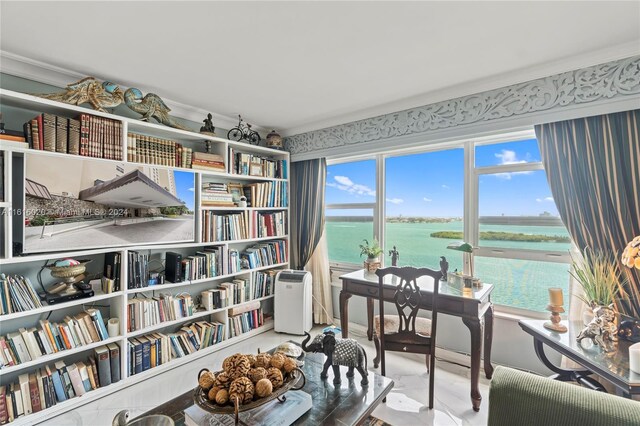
(339, 352)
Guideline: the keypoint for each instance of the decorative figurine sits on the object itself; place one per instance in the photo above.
(208, 127)
(243, 131)
(629, 330)
(89, 90)
(395, 255)
(274, 140)
(444, 267)
(346, 352)
(151, 105)
(602, 329)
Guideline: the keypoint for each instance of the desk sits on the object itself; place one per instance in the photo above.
(612, 367)
(472, 305)
(348, 403)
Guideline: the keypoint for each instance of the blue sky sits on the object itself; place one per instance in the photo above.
(185, 183)
(432, 184)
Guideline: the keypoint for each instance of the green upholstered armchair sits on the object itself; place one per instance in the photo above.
(522, 399)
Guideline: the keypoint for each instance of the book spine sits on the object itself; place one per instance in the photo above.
(104, 367)
(114, 356)
(73, 144)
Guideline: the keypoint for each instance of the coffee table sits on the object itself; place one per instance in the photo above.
(348, 403)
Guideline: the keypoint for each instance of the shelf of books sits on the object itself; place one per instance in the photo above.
(129, 248)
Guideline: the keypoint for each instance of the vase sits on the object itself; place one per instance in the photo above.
(587, 314)
(371, 265)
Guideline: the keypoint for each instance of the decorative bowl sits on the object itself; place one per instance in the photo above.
(69, 271)
(290, 380)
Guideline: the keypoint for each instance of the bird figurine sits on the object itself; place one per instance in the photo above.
(444, 267)
(89, 90)
(151, 105)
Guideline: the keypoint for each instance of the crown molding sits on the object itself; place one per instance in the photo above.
(600, 89)
(576, 62)
(42, 72)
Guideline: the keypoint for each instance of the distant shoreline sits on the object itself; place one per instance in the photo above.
(504, 236)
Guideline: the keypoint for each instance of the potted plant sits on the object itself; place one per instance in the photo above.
(373, 251)
(600, 278)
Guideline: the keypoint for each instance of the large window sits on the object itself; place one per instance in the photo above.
(350, 202)
(493, 195)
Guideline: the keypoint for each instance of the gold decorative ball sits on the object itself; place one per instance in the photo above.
(275, 376)
(213, 392)
(222, 397)
(236, 366)
(206, 380)
(264, 388)
(223, 380)
(252, 360)
(290, 364)
(256, 374)
(263, 360)
(277, 361)
(241, 389)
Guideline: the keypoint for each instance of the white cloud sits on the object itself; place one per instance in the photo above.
(343, 183)
(539, 200)
(445, 186)
(191, 189)
(548, 199)
(395, 200)
(428, 200)
(507, 156)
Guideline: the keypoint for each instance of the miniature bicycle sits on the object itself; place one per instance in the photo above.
(243, 131)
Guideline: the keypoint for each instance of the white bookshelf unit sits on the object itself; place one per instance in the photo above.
(20, 107)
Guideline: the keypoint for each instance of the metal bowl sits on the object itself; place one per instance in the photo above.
(67, 272)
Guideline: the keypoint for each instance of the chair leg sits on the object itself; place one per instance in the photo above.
(427, 362)
(382, 367)
(376, 360)
(431, 380)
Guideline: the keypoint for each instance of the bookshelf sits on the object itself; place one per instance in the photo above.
(20, 107)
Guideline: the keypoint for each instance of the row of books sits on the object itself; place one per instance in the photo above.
(110, 281)
(29, 344)
(245, 322)
(155, 349)
(216, 194)
(264, 282)
(244, 225)
(265, 254)
(210, 262)
(266, 194)
(138, 270)
(17, 294)
(208, 161)
(85, 135)
(49, 385)
(256, 165)
(152, 150)
(143, 313)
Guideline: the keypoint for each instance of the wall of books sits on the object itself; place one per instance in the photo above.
(102, 287)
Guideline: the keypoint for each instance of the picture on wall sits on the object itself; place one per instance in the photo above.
(72, 203)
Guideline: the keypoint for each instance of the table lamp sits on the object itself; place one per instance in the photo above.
(465, 248)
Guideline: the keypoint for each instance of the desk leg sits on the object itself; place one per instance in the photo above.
(488, 339)
(475, 328)
(344, 313)
(370, 318)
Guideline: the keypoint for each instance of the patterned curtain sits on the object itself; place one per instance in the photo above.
(308, 243)
(307, 208)
(592, 166)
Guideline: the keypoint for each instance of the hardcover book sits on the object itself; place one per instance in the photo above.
(114, 357)
(104, 365)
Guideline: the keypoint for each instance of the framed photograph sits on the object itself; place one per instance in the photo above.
(235, 189)
(255, 168)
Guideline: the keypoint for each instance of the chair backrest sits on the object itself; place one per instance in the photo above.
(408, 298)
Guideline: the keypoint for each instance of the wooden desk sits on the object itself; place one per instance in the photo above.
(612, 367)
(472, 305)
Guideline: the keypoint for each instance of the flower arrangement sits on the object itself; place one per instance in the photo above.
(631, 254)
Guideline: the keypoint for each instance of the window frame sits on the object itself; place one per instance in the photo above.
(471, 218)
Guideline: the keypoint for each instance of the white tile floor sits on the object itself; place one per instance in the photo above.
(406, 404)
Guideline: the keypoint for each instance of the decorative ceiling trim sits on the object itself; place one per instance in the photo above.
(31, 69)
(586, 91)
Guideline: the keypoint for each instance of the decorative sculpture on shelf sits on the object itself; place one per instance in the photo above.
(395, 255)
(208, 127)
(89, 90)
(339, 352)
(602, 329)
(243, 131)
(151, 105)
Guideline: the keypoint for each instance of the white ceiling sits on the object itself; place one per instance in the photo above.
(299, 66)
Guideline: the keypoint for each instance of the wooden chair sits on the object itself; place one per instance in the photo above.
(406, 332)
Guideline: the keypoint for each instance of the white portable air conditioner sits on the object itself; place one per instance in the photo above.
(292, 311)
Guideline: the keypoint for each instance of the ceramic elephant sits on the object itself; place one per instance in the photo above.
(339, 352)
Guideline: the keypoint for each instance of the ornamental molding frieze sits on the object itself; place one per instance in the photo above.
(597, 84)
